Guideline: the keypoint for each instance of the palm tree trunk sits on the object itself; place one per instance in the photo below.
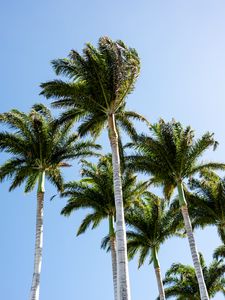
(158, 274)
(113, 255)
(191, 240)
(35, 287)
(123, 285)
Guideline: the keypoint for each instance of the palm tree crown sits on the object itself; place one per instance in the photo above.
(38, 144)
(183, 284)
(95, 190)
(151, 223)
(101, 79)
(207, 203)
(170, 154)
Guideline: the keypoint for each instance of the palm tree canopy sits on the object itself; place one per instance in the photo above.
(207, 202)
(100, 81)
(170, 153)
(38, 143)
(95, 191)
(182, 280)
(151, 223)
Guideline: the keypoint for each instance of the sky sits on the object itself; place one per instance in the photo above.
(181, 45)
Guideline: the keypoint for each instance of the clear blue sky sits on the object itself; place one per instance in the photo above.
(182, 50)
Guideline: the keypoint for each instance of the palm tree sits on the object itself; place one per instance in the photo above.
(152, 223)
(95, 191)
(170, 155)
(183, 284)
(207, 203)
(39, 147)
(101, 80)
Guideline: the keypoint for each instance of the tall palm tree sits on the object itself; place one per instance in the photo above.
(152, 223)
(183, 284)
(170, 155)
(38, 147)
(100, 82)
(95, 191)
(207, 203)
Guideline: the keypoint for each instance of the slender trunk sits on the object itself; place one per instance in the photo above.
(123, 285)
(158, 274)
(191, 240)
(113, 255)
(35, 287)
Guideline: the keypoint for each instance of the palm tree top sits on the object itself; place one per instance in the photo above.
(38, 143)
(151, 223)
(95, 191)
(182, 282)
(99, 82)
(112, 68)
(207, 201)
(170, 153)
